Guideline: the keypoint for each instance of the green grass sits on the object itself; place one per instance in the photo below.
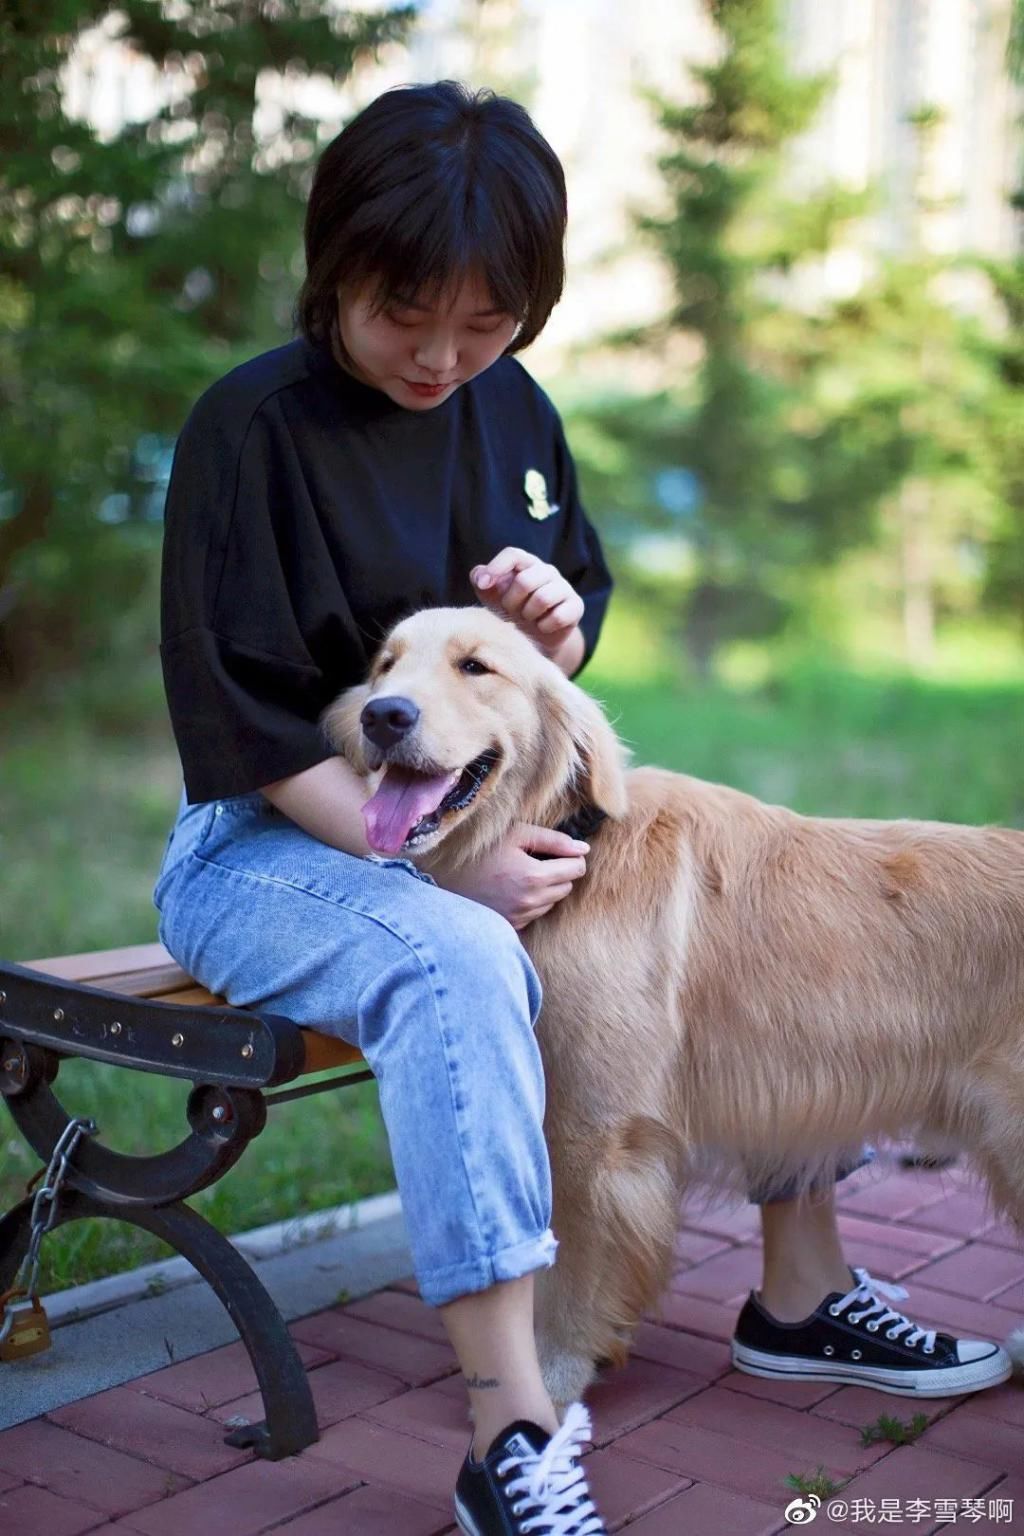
(819, 1483)
(828, 743)
(824, 739)
(89, 781)
(898, 1431)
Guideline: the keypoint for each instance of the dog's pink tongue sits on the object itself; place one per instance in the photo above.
(403, 798)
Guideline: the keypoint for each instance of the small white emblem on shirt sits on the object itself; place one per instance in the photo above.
(536, 490)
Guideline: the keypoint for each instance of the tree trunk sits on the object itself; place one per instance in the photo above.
(28, 526)
(918, 585)
(701, 627)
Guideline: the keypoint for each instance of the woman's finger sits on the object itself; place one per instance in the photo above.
(566, 615)
(534, 839)
(546, 600)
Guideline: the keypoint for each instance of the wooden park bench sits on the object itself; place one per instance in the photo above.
(136, 1008)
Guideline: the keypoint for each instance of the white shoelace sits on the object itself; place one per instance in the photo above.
(868, 1293)
(553, 1481)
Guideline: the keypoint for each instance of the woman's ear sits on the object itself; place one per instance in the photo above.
(340, 725)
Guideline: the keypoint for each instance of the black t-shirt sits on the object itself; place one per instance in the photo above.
(307, 513)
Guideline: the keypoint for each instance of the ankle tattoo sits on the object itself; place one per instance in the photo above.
(476, 1383)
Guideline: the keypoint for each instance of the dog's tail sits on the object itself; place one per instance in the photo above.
(636, 1199)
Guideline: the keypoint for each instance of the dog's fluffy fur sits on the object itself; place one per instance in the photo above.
(732, 990)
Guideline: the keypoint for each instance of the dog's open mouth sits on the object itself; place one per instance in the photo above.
(408, 806)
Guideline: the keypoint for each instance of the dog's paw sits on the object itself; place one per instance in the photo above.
(566, 1378)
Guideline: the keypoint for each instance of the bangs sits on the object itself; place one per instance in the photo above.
(428, 258)
(429, 186)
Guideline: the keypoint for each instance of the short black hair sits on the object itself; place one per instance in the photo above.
(426, 185)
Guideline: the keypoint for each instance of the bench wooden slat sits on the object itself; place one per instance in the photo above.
(105, 964)
(148, 970)
(194, 997)
(325, 1051)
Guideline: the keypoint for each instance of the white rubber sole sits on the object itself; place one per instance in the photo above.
(952, 1382)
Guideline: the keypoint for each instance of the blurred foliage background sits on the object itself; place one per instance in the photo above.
(814, 506)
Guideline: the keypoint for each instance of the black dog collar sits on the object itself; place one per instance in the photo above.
(583, 823)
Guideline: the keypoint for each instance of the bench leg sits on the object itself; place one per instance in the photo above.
(290, 1423)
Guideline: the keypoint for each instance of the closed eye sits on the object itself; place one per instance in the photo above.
(410, 322)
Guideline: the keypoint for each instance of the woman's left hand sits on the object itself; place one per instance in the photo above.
(534, 595)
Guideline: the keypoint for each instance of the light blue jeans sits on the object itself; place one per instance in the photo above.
(436, 991)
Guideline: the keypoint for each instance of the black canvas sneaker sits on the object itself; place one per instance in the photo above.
(529, 1483)
(859, 1340)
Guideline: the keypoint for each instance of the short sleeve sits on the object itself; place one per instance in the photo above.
(579, 555)
(243, 690)
(241, 718)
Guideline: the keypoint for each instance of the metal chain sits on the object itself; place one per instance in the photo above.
(48, 1195)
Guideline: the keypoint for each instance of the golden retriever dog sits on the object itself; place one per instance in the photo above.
(731, 991)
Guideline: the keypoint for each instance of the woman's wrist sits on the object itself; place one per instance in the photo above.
(326, 801)
(568, 654)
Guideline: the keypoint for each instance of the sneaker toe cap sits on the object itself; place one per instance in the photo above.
(970, 1351)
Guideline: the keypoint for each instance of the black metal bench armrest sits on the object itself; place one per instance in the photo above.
(228, 1046)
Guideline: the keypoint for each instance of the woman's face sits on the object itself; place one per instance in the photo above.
(410, 345)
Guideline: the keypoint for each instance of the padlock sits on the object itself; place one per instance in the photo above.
(25, 1330)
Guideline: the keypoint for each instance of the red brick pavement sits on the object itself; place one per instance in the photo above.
(683, 1445)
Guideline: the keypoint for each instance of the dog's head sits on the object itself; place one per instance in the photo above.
(466, 727)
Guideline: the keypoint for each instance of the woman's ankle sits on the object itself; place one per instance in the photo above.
(803, 1257)
(791, 1298)
(486, 1427)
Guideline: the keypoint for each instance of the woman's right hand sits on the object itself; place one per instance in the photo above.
(522, 888)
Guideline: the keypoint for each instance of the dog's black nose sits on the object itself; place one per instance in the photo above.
(386, 721)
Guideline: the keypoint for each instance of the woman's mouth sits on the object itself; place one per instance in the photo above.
(428, 391)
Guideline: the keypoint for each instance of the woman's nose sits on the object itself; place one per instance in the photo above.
(437, 353)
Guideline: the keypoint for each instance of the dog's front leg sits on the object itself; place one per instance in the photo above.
(566, 1362)
(616, 1215)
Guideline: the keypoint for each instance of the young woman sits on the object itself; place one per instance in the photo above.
(398, 456)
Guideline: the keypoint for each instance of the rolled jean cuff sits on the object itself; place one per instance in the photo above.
(769, 1193)
(439, 1286)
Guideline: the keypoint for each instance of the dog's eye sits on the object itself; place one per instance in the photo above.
(473, 666)
(385, 666)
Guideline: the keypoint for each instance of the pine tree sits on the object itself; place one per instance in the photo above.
(1004, 589)
(810, 429)
(1005, 584)
(761, 463)
(920, 380)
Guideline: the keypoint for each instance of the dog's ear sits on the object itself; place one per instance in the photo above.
(601, 757)
(340, 725)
